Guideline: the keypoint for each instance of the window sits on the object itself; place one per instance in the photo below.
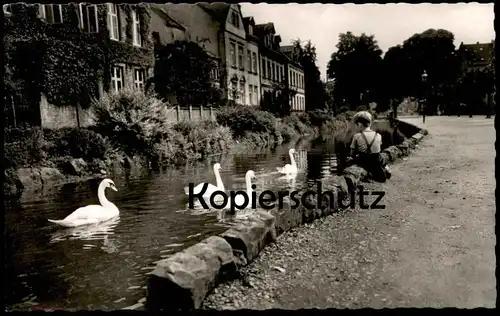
(7, 9)
(240, 57)
(88, 18)
(268, 68)
(114, 30)
(254, 62)
(250, 94)
(139, 78)
(235, 19)
(255, 95)
(116, 78)
(250, 29)
(274, 71)
(282, 72)
(263, 66)
(278, 73)
(214, 73)
(232, 53)
(136, 29)
(249, 60)
(51, 13)
(243, 92)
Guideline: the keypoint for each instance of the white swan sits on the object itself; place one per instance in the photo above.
(92, 214)
(239, 200)
(289, 168)
(210, 188)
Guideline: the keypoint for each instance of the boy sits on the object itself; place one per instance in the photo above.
(365, 148)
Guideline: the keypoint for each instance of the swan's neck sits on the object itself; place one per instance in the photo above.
(102, 197)
(218, 180)
(249, 187)
(292, 160)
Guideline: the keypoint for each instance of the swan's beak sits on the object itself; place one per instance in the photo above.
(114, 188)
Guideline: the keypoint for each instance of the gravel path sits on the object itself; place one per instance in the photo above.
(432, 246)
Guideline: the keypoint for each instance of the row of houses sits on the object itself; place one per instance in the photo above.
(250, 58)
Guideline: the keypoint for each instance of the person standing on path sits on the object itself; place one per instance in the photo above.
(366, 146)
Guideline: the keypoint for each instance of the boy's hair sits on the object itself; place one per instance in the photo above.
(360, 119)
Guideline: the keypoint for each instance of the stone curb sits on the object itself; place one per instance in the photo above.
(182, 281)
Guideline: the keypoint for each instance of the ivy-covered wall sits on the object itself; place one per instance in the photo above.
(65, 62)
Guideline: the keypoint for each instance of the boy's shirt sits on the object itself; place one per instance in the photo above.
(359, 144)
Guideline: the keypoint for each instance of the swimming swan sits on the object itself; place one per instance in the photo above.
(211, 188)
(289, 168)
(239, 199)
(92, 214)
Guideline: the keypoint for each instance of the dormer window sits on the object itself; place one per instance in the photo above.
(7, 9)
(235, 19)
(51, 13)
(250, 29)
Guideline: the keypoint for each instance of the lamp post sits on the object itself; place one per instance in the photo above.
(424, 103)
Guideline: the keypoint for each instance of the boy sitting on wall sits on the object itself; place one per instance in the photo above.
(366, 146)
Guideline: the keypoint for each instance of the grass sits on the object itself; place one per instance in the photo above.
(134, 124)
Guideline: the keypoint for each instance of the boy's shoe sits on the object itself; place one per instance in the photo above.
(387, 172)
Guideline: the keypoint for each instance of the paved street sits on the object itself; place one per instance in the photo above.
(433, 245)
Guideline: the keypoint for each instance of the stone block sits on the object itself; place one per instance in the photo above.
(287, 219)
(29, 177)
(251, 236)
(393, 152)
(418, 136)
(182, 281)
(51, 175)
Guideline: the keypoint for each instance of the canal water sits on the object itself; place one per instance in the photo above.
(105, 267)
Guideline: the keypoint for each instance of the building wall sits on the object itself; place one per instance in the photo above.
(166, 33)
(295, 78)
(268, 77)
(200, 25)
(253, 79)
(236, 67)
(56, 117)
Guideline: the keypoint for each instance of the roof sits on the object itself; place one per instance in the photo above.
(218, 10)
(478, 54)
(164, 15)
(287, 48)
(264, 28)
(246, 22)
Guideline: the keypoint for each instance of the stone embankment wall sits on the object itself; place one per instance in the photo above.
(182, 281)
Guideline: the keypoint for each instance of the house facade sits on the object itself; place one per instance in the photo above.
(295, 78)
(119, 26)
(253, 69)
(198, 26)
(272, 61)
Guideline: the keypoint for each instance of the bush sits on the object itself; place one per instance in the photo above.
(318, 117)
(205, 137)
(297, 124)
(23, 147)
(81, 143)
(244, 119)
(132, 120)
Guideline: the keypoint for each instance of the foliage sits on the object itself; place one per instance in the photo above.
(131, 119)
(23, 147)
(80, 143)
(244, 119)
(278, 100)
(315, 95)
(183, 69)
(355, 66)
(69, 61)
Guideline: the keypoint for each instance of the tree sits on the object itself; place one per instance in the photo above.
(315, 95)
(432, 51)
(278, 100)
(355, 66)
(183, 69)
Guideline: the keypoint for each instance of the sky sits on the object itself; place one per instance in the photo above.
(390, 23)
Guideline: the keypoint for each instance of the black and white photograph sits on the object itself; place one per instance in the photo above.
(220, 156)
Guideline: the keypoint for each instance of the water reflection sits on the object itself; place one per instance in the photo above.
(99, 231)
(106, 265)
